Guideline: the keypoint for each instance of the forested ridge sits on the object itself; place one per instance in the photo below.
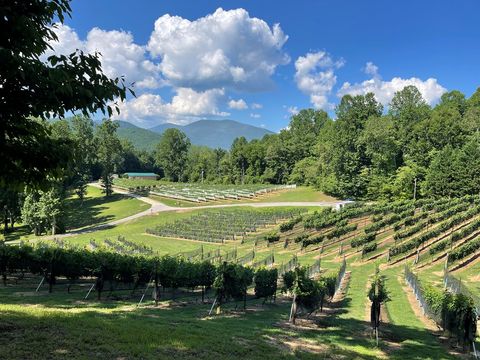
(367, 152)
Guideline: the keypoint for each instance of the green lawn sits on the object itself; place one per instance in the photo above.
(61, 325)
(417, 342)
(299, 194)
(96, 209)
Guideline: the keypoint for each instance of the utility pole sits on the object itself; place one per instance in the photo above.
(202, 175)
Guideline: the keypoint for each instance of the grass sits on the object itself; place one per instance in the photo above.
(61, 325)
(96, 209)
(299, 194)
(408, 327)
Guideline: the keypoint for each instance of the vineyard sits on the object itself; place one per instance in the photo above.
(197, 192)
(313, 261)
(223, 226)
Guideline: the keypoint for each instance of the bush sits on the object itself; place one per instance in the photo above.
(265, 283)
(272, 237)
(289, 225)
(369, 248)
(361, 240)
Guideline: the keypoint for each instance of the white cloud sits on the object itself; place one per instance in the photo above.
(120, 56)
(255, 116)
(239, 104)
(186, 106)
(293, 110)
(256, 106)
(384, 91)
(315, 77)
(226, 49)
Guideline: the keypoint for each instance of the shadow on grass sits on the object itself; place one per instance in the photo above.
(80, 214)
(62, 325)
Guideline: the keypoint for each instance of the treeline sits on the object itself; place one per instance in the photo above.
(370, 153)
(367, 152)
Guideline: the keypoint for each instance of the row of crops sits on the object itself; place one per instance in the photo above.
(221, 226)
(110, 267)
(454, 312)
(197, 192)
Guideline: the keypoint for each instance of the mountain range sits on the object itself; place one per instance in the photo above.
(211, 133)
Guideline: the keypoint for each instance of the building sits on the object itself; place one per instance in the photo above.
(140, 175)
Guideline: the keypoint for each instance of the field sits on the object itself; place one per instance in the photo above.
(94, 210)
(366, 236)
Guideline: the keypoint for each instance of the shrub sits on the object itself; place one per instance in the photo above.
(272, 237)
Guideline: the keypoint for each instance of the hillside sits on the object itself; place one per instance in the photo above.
(142, 139)
(211, 133)
(216, 133)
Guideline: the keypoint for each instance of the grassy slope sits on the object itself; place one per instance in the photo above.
(95, 210)
(302, 193)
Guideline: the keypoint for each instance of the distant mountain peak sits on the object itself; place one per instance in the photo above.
(206, 132)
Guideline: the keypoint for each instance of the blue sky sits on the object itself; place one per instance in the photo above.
(198, 64)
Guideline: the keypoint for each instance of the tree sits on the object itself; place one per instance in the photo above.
(32, 89)
(84, 153)
(378, 295)
(172, 152)
(109, 150)
(407, 108)
(348, 156)
(238, 153)
(10, 205)
(42, 210)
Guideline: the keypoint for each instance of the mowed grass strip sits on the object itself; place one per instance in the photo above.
(406, 328)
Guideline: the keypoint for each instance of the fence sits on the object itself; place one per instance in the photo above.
(414, 283)
(313, 269)
(340, 275)
(247, 258)
(268, 261)
(290, 265)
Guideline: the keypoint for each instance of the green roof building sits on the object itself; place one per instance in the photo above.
(140, 175)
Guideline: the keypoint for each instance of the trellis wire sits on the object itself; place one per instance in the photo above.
(268, 261)
(247, 258)
(340, 275)
(414, 283)
(290, 265)
(313, 269)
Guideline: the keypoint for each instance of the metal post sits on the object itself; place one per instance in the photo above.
(41, 282)
(415, 189)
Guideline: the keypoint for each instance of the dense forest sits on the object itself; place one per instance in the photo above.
(367, 153)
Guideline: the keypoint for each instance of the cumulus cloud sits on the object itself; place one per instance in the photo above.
(257, 106)
(120, 56)
(186, 106)
(226, 49)
(239, 104)
(255, 116)
(384, 91)
(315, 76)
